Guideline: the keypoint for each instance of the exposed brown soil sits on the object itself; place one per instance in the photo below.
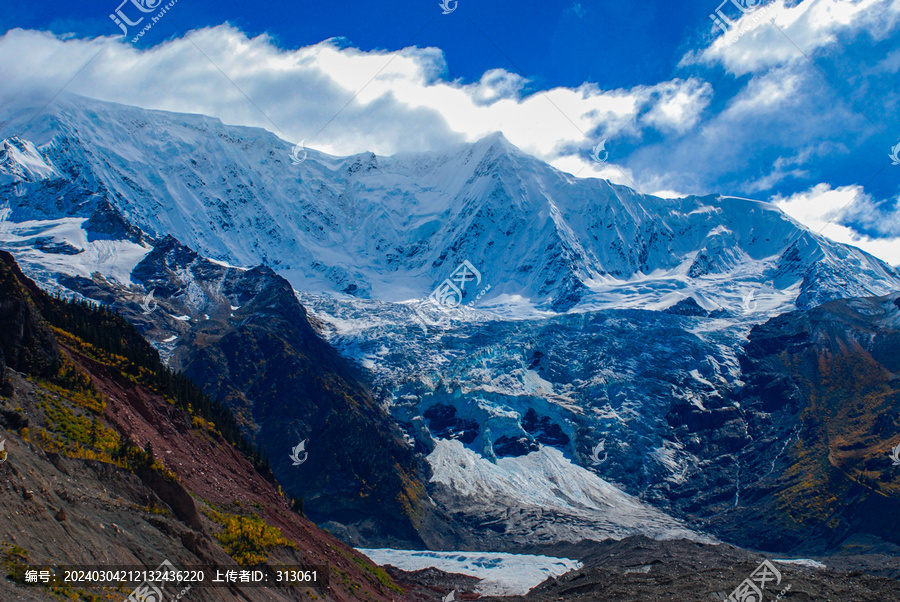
(105, 520)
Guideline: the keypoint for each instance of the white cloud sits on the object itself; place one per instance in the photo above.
(497, 84)
(392, 101)
(584, 167)
(778, 34)
(827, 210)
(679, 105)
(778, 120)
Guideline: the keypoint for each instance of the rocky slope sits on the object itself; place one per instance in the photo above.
(799, 457)
(254, 349)
(244, 338)
(639, 569)
(102, 470)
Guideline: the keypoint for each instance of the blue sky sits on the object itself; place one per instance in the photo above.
(791, 102)
(556, 43)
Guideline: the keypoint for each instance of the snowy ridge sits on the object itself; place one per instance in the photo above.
(391, 228)
(21, 161)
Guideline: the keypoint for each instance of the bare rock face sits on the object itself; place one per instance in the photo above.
(173, 494)
(26, 343)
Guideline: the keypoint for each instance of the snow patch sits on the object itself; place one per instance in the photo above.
(546, 480)
(500, 574)
(812, 564)
(112, 259)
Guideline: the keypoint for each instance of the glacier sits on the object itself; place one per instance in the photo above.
(604, 308)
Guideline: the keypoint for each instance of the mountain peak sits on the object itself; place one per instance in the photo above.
(494, 151)
(497, 140)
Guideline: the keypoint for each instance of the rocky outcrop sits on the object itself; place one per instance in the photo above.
(254, 349)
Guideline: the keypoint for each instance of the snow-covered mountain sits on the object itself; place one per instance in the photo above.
(547, 405)
(392, 228)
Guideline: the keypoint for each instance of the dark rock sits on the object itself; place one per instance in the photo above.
(173, 495)
(801, 444)
(97, 290)
(26, 343)
(12, 420)
(443, 422)
(267, 363)
(107, 223)
(508, 446)
(687, 307)
(544, 429)
(48, 245)
(638, 568)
